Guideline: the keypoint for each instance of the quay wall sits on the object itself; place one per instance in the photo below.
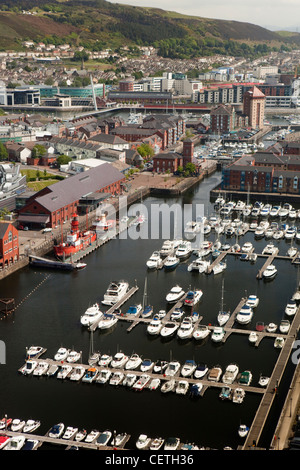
(143, 192)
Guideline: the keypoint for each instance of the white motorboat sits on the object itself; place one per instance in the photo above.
(69, 433)
(61, 354)
(154, 384)
(167, 248)
(171, 262)
(34, 351)
(91, 315)
(15, 443)
(90, 375)
(141, 383)
(17, 425)
(292, 252)
(193, 297)
(116, 378)
(146, 365)
(243, 430)
(244, 316)
(185, 329)
(220, 267)
(269, 249)
(175, 294)
(201, 332)
(182, 387)
(129, 380)
(41, 368)
(247, 247)
(143, 442)
(160, 366)
(271, 327)
(238, 395)
(291, 308)
(284, 326)
(252, 301)
(134, 310)
(133, 362)
(154, 326)
(184, 250)
(270, 272)
(169, 329)
(290, 233)
(278, 342)
(80, 435)
(201, 370)
(157, 443)
(168, 386)
(64, 371)
(105, 360)
(119, 360)
(31, 425)
(77, 373)
(155, 261)
(218, 334)
(92, 436)
(188, 368)
(172, 368)
(253, 337)
(263, 380)
(200, 265)
(28, 367)
(225, 393)
(73, 356)
(107, 321)
(115, 292)
(177, 314)
(274, 211)
(103, 376)
(230, 374)
(56, 431)
(214, 374)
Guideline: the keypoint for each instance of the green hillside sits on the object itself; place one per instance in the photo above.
(97, 24)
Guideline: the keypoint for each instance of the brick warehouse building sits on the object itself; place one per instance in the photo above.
(55, 204)
(9, 244)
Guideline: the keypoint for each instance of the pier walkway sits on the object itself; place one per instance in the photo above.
(268, 398)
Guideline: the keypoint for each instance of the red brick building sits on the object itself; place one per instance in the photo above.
(9, 244)
(55, 204)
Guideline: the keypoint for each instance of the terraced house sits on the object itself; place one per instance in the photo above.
(263, 172)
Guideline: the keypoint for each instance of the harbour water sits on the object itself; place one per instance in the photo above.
(49, 306)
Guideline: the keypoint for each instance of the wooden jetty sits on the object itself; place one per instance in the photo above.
(65, 442)
(117, 305)
(269, 261)
(217, 261)
(268, 398)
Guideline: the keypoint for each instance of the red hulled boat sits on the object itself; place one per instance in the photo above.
(76, 240)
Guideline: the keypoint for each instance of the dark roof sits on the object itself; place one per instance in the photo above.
(75, 187)
(3, 228)
(107, 139)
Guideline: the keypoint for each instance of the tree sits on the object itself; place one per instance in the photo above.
(3, 152)
(145, 150)
(63, 159)
(38, 151)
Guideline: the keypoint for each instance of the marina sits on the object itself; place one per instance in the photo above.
(61, 314)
